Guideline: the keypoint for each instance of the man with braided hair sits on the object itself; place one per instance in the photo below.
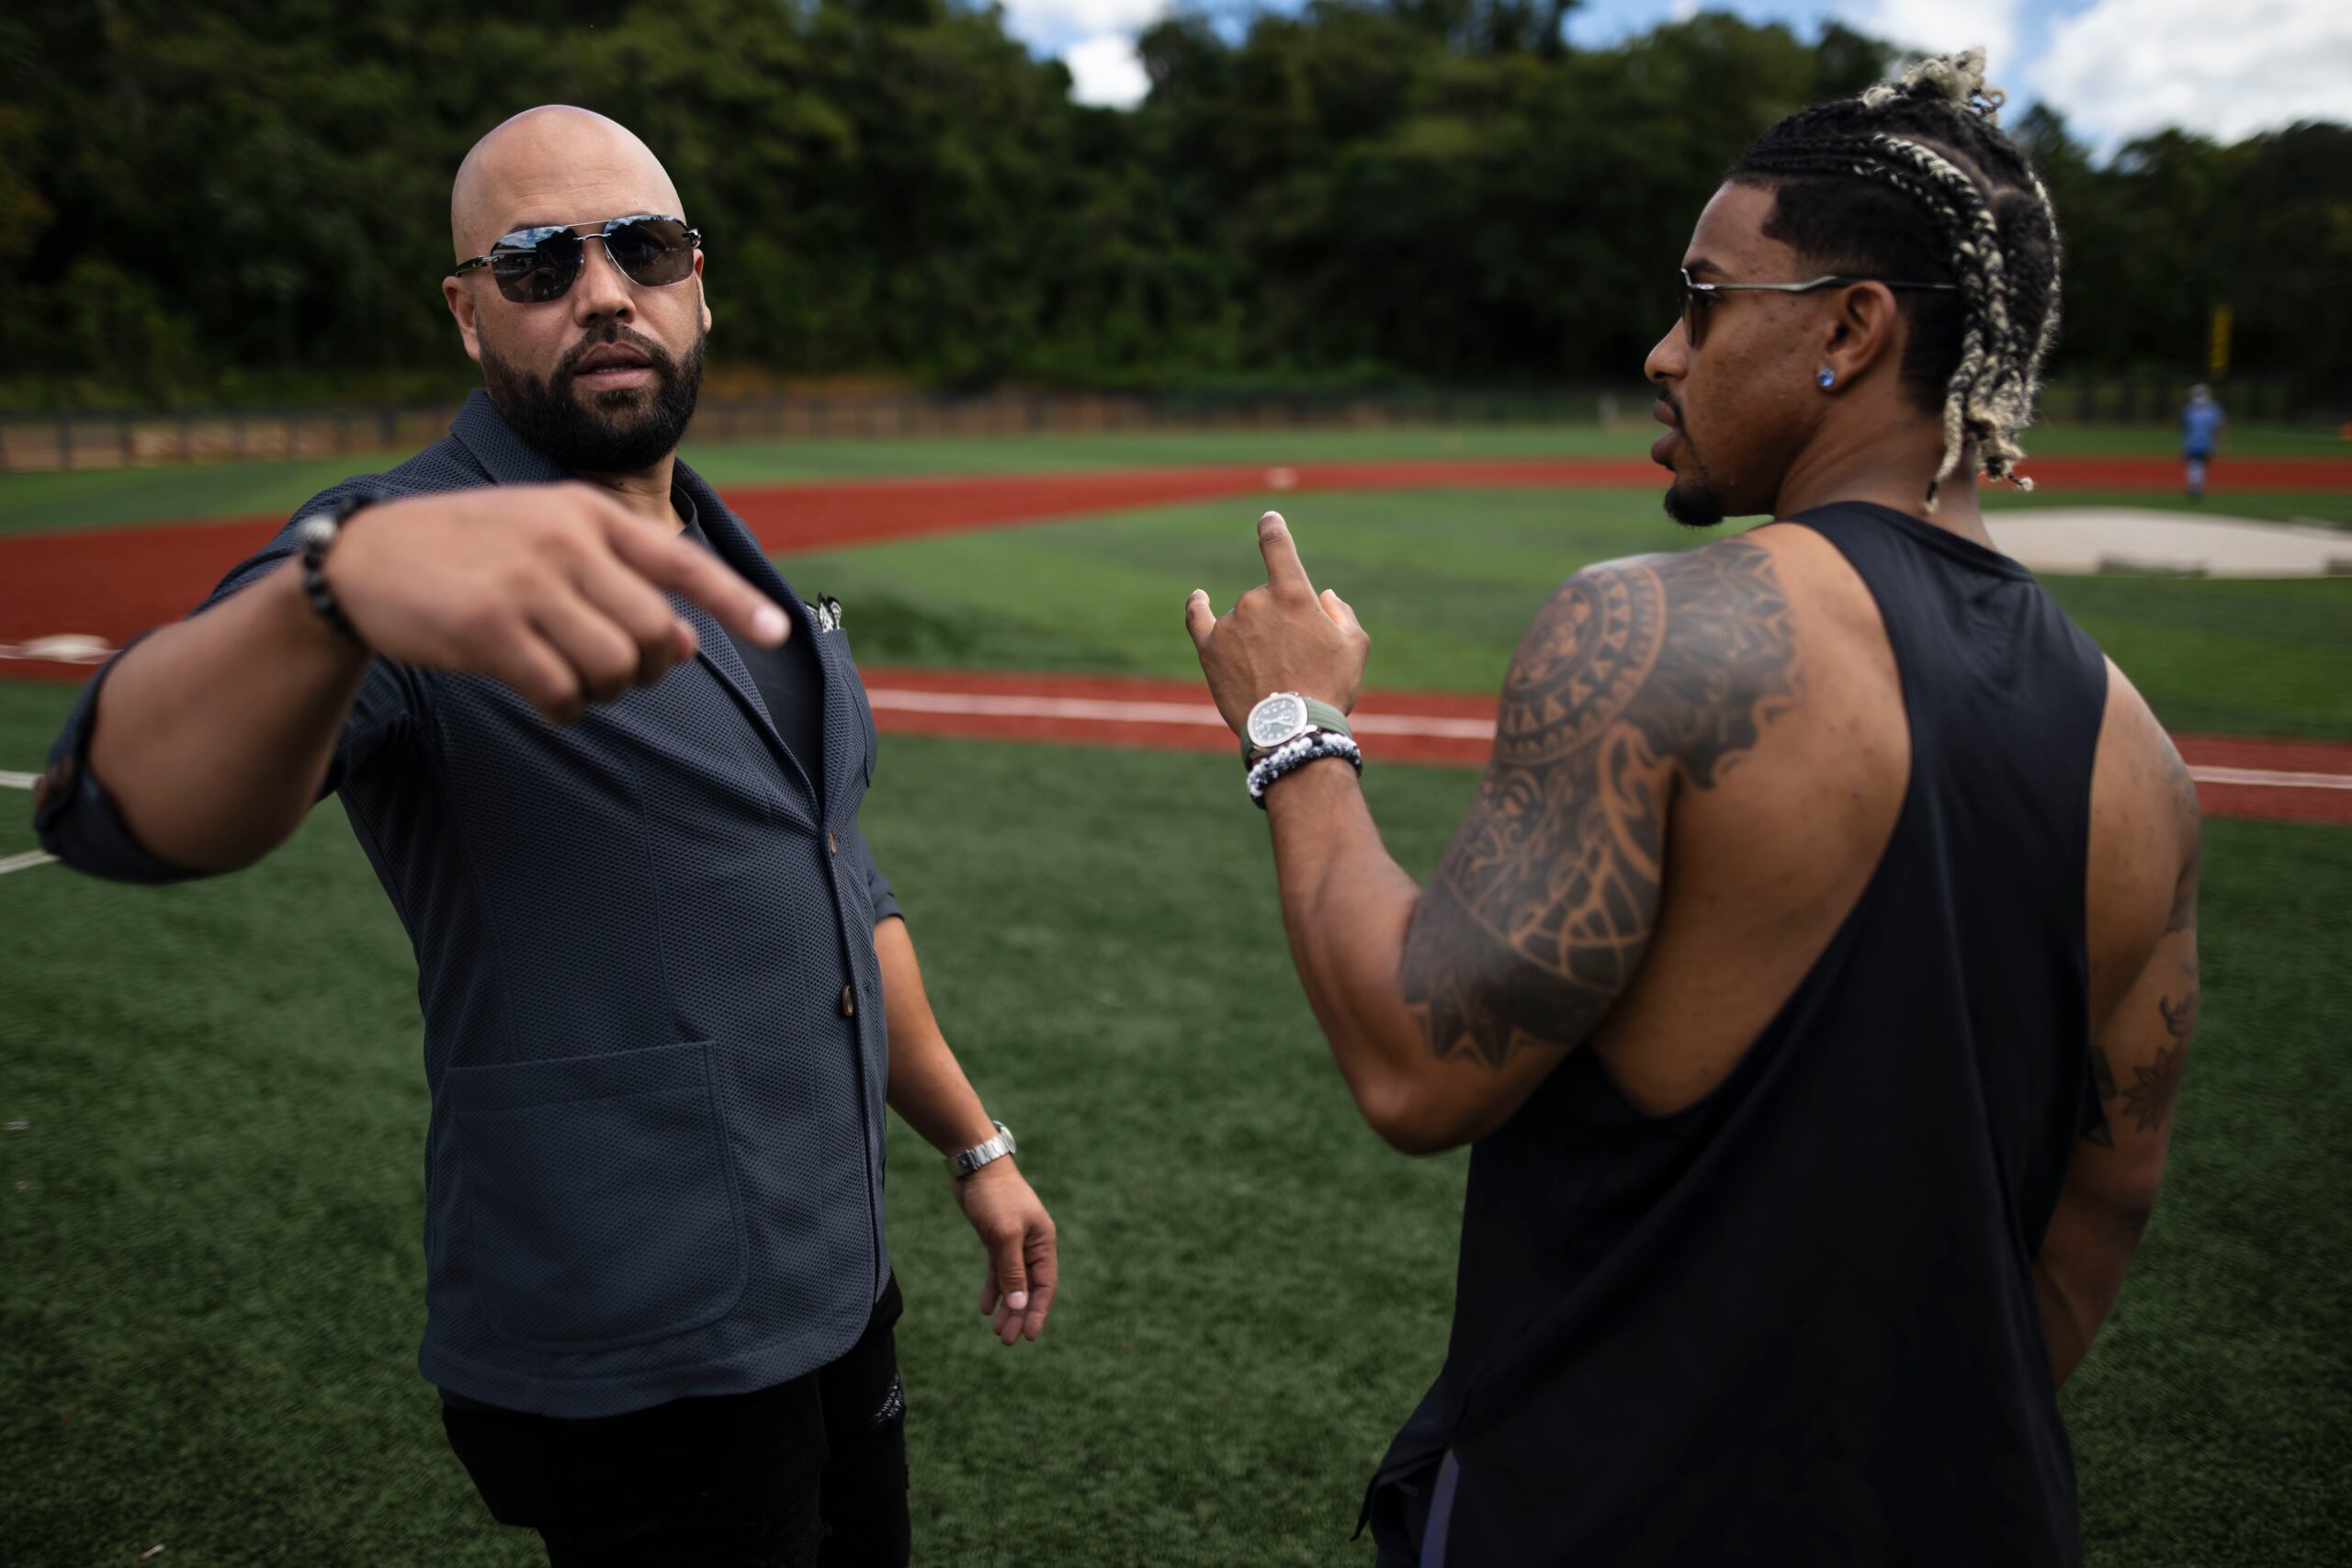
(1813, 973)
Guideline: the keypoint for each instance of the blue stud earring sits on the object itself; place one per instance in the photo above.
(1827, 378)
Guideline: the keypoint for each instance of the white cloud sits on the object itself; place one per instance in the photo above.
(1054, 26)
(1937, 26)
(1105, 71)
(2122, 68)
(1096, 39)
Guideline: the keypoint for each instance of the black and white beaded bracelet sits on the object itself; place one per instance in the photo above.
(317, 536)
(1291, 755)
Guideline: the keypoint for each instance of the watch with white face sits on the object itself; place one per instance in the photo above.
(1287, 716)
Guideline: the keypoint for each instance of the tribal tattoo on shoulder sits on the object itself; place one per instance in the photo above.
(1547, 899)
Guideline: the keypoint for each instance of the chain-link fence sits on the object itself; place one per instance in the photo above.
(143, 438)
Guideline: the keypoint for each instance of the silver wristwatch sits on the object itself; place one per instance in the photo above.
(963, 1165)
(1284, 717)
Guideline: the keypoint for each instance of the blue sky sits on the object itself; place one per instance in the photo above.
(2117, 68)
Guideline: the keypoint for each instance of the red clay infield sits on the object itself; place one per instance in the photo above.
(113, 583)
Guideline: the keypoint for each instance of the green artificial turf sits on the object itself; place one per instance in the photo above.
(40, 501)
(1445, 581)
(210, 1221)
(209, 1266)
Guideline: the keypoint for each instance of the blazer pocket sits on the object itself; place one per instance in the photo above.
(598, 1198)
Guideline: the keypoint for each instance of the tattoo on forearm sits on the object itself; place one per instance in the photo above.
(2150, 1096)
(2148, 1099)
(1545, 903)
(2103, 1079)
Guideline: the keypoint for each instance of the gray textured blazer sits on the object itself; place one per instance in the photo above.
(654, 1019)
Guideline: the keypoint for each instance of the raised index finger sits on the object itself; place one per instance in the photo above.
(667, 561)
(1285, 573)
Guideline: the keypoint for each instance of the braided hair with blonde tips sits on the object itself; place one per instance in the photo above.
(1913, 179)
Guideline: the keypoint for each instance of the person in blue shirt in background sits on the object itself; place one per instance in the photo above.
(2201, 424)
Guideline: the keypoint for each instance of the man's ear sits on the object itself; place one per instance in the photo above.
(460, 300)
(1866, 329)
(702, 293)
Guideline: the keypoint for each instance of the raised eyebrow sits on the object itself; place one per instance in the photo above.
(1699, 264)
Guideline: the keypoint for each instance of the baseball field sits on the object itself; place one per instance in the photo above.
(211, 1167)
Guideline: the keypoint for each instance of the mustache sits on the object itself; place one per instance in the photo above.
(655, 355)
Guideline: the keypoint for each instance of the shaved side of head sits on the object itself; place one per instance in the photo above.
(527, 170)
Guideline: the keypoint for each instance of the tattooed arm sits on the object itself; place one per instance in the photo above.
(1638, 680)
(2138, 1057)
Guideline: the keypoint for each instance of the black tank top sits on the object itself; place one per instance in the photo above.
(1795, 1323)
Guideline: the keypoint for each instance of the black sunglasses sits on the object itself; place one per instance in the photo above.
(532, 267)
(1697, 296)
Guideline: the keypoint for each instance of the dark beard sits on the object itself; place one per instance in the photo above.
(1692, 502)
(627, 430)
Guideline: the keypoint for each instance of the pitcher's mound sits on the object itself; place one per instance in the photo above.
(2088, 540)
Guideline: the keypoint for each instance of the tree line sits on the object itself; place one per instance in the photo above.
(247, 199)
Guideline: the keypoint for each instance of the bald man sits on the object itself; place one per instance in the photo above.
(608, 764)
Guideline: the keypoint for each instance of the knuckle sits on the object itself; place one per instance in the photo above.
(483, 624)
(522, 580)
(540, 527)
(559, 691)
(612, 666)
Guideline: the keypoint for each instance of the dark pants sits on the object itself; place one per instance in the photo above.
(810, 1473)
(1411, 1517)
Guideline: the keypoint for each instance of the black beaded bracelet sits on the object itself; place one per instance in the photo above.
(319, 531)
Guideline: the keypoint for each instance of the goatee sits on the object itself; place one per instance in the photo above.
(625, 431)
(1693, 505)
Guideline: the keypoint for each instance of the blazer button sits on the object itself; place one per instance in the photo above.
(833, 844)
(849, 1001)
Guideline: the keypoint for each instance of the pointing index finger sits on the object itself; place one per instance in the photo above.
(669, 561)
(1285, 573)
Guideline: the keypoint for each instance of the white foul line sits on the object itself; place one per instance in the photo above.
(985, 705)
(988, 705)
(2258, 778)
(31, 858)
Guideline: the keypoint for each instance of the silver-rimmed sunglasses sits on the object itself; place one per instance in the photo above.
(534, 265)
(1696, 296)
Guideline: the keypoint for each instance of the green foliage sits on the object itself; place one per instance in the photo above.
(243, 201)
(2178, 224)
